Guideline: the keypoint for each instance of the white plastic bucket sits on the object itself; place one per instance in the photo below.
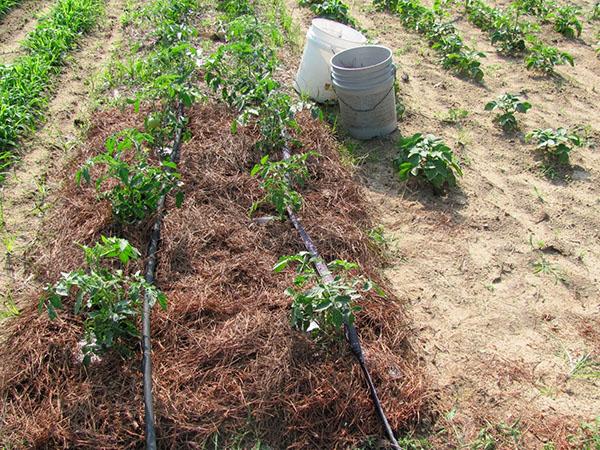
(363, 79)
(324, 39)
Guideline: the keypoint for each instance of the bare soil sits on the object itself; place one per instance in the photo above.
(500, 342)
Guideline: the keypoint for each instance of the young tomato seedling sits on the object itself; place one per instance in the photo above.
(427, 157)
(324, 308)
(277, 177)
(108, 299)
(508, 104)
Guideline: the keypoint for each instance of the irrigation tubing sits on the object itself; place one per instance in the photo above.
(149, 420)
(349, 329)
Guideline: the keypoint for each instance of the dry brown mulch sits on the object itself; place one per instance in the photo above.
(225, 357)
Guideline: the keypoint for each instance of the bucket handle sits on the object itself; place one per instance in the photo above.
(373, 108)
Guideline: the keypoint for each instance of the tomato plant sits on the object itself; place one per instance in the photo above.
(324, 308)
(137, 185)
(544, 58)
(109, 300)
(566, 21)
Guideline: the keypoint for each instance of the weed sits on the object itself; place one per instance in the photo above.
(595, 13)
(543, 266)
(9, 308)
(137, 186)
(324, 308)
(428, 157)
(277, 177)
(109, 300)
(455, 115)
(557, 144)
(585, 367)
(508, 104)
(539, 195)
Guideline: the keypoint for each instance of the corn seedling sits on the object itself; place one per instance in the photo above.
(109, 300)
(508, 105)
(557, 144)
(24, 83)
(427, 157)
(277, 177)
(585, 367)
(324, 308)
(595, 13)
(136, 186)
(9, 307)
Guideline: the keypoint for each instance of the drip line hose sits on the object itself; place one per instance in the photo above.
(349, 329)
(149, 276)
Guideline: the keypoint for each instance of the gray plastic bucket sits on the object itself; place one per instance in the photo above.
(363, 79)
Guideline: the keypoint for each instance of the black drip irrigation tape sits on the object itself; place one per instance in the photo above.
(349, 329)
(150, 275)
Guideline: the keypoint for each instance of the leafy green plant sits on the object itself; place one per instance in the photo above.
(543, 58)
(277, 177)
(137, 185)
(595, 13)
(454, 115)
(24, 83)
(108, 299)
(465, 63)
(443, 36)
(566, 22)
(556, 143)
(427, 157)
(330, 9)
(539, 8)
(324, 308)
(508, 104)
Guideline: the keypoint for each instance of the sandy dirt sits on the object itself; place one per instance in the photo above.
(500, 342)
(25, 193)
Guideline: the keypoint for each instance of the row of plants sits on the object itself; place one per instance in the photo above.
(427, 157)
(25, 83)
(7, 5)
(241, 73)
(133, 174)
(564, 18)
(512, 36)
(443, 36)
(330, 9)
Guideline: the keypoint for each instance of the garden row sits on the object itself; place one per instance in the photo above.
(25, 83)
(514, 37)
(138, 168)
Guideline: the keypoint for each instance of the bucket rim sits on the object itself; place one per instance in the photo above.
(316, 21)
(353, 69)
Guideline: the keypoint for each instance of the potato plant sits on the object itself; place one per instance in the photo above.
(566, 22)
(544, 58)
(442, 35)
(508, 105)
(137, 184)
(556, 143)
(324, 308)
(109, 300)
(427, 157)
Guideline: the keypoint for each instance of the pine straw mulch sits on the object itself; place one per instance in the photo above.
(225, 358)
